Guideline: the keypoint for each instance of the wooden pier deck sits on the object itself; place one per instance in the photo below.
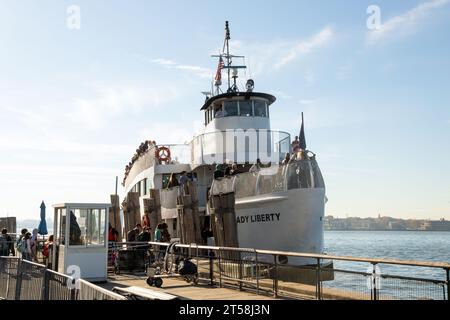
(203, 291)
(184, 290)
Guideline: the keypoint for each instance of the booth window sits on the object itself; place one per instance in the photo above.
(260, 108)
(102, 226)
(62, 226)
(231, 108)
(77, 227)
(246, 108)
(95, 227)
(87, 227)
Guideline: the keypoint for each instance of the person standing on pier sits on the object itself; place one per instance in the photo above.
(132, 234)
(34, 245)
(183, 182)
(26, 253)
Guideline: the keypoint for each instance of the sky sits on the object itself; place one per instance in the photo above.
(83, 83)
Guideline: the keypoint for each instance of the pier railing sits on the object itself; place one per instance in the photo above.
(25, 280)
(277, 273)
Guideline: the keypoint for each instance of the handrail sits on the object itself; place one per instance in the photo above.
(431, 264)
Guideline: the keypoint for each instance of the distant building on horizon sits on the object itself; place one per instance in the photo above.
(384, 224)
(10, 223)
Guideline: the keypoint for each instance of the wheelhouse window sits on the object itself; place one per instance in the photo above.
(246, 108)
(260, 108)
(231, 108)
(218, 111)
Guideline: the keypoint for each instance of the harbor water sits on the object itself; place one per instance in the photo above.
(398, 245)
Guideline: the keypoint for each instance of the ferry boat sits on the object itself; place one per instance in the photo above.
(279, 206)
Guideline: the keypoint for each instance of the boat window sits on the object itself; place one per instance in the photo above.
(218, 111)
(144, 183)
(260, 108)
(299, 175)
(206, 117)
(246, 108)
(231, 108)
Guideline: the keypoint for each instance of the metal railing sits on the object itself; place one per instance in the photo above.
(330, 277)
(25, 280)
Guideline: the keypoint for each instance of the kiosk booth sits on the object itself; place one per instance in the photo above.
(81, 240)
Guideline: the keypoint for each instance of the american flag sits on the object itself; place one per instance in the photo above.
(219, 70)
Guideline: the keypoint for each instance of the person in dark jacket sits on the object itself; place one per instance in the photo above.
(6, 244)
(144, 236)
(133, 234)
(165, 235)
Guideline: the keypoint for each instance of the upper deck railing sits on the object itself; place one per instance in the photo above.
(240, 146)
(298, 174)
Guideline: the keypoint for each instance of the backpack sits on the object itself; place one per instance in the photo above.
(20, 244)
(4, 245)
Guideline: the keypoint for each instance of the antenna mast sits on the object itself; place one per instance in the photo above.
(227, 45)
(232, 71)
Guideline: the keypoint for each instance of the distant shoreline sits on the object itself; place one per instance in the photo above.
(387, 230)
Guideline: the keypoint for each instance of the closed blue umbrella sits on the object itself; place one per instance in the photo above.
(42, 229)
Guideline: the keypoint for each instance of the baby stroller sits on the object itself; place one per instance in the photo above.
(174, 266)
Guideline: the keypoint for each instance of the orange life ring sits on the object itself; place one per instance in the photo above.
(163, 154)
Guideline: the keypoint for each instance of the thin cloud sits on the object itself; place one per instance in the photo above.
(263, 58)
(405, 23)
(306, 46)
(281, 94)
(309, 101)
(198, 71)
(164, 62)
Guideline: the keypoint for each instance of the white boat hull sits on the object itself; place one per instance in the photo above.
(285, 221)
